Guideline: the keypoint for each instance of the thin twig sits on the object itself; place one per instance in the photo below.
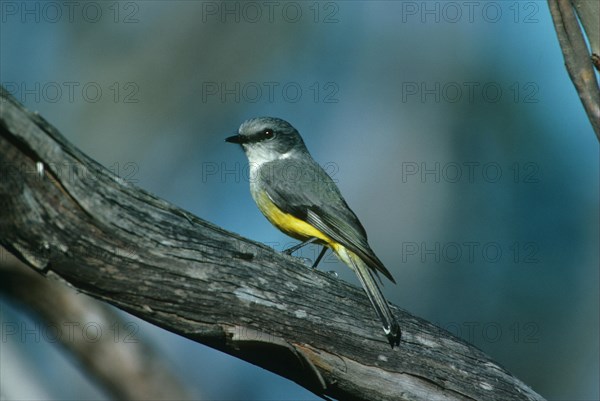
(577, 59)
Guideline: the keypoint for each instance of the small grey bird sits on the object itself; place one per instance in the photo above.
(298, 197)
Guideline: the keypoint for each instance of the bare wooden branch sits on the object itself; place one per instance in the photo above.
(577, 59)
(112, 352)
(123, 245)
(588, 12)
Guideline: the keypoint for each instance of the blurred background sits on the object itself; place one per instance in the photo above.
(451, 128)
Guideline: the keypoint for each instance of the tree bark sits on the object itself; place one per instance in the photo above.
(578, 60)
(65, 215)
(112, 351)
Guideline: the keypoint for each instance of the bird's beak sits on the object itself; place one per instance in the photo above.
(235, 139)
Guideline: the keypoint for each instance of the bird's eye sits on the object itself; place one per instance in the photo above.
(268, 133)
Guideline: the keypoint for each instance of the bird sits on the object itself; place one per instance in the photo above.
(299, 198)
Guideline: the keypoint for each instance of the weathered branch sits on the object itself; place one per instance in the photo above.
(578, 60)
(120, 244)
(588, 12)
(112, 351)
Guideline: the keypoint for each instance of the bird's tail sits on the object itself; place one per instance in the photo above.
(390, 326)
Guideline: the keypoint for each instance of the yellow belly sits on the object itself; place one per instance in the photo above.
(289, 224)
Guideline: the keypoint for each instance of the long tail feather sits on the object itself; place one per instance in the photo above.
(390, 325)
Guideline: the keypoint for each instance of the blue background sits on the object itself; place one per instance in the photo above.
(451, 128)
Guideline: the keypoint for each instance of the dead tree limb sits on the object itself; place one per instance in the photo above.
(109, 349)
(64, 214)
(578, 60)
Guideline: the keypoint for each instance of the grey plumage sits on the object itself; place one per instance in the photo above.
(282, 169)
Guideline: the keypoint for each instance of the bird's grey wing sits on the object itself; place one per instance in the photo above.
(303, 189)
